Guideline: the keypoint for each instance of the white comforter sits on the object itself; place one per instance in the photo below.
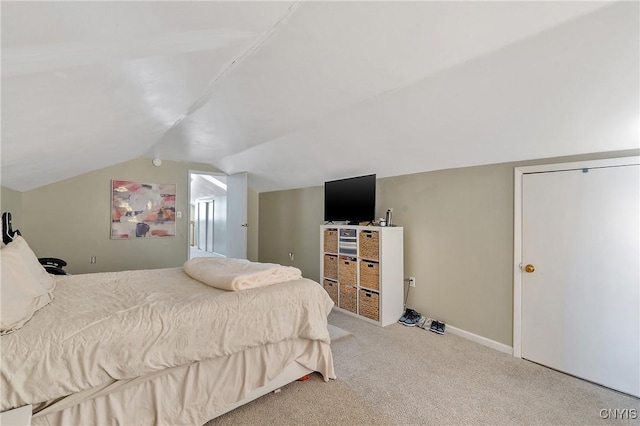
(238, 274)
(113, 326)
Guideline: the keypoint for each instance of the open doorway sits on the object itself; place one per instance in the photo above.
(207, 215)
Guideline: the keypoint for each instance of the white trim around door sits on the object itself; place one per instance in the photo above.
(519, 172)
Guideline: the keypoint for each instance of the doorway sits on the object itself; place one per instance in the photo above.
(207, 215)
(576, 270)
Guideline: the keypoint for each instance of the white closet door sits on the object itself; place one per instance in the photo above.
(581, 304)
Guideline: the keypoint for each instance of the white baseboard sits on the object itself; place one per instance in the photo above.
(479, 339)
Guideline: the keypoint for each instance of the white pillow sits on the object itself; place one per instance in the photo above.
(25, 287)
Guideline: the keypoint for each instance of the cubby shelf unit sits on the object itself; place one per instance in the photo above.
(362, 269)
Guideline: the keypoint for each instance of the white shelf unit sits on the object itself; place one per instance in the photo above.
(362, 269)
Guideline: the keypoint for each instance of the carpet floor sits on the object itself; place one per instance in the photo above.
(400, 375)
(336, 333)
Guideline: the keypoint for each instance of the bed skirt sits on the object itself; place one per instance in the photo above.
(186, 395)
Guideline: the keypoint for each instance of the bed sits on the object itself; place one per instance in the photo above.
(160, 347)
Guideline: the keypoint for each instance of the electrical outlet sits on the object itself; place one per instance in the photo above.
(92, 259)
(412, 281)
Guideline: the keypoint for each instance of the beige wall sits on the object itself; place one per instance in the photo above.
(458, 239)
(11, 201)
(290, 222)
(70, 219)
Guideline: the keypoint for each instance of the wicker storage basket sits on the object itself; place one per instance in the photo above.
(330, 266)
(369, 242)
(369, 305)
(348, 298)
(347, 270)
(331, 241)
(370, 275)
(332, 288)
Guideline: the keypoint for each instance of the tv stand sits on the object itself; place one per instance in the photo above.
(362, 269)
(356, 222)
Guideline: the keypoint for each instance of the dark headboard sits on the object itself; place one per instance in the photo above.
(8, 234)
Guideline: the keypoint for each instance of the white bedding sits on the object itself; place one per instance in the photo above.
(238, 274)
(116, 326)
(185, 395)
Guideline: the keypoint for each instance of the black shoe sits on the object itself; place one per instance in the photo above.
(406, 315)
(412, 319)
(441, 327)
(437, 327)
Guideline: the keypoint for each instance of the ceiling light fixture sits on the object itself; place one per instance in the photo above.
(157, 162)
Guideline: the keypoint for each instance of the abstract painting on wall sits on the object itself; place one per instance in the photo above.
(142, 210)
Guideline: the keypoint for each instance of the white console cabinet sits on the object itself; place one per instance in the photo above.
(362, 269)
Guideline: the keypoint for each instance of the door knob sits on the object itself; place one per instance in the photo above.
(245, 225)
(529, 268)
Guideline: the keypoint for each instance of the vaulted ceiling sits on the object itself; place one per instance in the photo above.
(296, 93)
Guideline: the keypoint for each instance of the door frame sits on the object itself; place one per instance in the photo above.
(189, 173)
(519, 173)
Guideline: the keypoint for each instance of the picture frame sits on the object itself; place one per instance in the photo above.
(141, 210)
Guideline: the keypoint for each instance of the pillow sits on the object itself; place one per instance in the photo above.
(25, 286)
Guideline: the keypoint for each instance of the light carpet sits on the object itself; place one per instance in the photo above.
(400, 375)
(336, 333)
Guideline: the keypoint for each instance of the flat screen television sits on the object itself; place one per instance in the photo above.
(351, 200)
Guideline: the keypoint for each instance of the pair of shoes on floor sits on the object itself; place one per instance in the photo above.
(410, 318)
(424, 323)
(437, 327)
(405, 315)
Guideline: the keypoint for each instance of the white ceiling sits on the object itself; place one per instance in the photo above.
(296, 93)
(207, 186)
